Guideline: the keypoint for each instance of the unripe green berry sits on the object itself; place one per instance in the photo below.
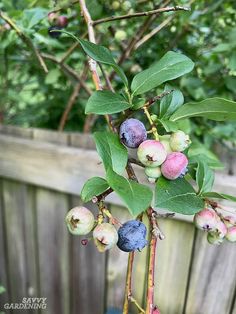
(79, 220)
(120, 35)
(153, 173)
(115, 5)
(165, 141)
(179, 141)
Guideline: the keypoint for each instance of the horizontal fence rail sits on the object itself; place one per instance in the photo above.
(41, 175)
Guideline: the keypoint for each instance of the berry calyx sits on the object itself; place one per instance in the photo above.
(132, 133)
(105, 236)
(217, 236)
(79, 220)
(151, 153)
(205, 220)
(231, 234)
(174, 166)
(179, 141)
(132, 236)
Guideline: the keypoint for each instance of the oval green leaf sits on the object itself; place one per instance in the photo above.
(169, 67)
(217, 109)
(93, 187)
(106, 102)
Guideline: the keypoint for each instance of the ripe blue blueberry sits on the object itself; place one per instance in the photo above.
(132, 133)
(132, 236)
(52, 31)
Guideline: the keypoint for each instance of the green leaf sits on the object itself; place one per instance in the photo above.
(219, 195)
(217, 109)
(170, 103)
(33, 16)
(112, 152)
(106, 102)
(204, 177)
(177, 196)
(136, 196)
(169, 67)
(103, 55)
(169, 126)
(93, 187)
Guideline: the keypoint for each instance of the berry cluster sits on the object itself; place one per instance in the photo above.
(217, 226)
(160, 157)
(57, 22)
(131, 236)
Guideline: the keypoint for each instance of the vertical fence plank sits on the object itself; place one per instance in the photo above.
(14, 199)
(172, 265)
(53, 248)
(53, 239)
(213, 277)
(4, 297)
(117, 266)
(87, 273)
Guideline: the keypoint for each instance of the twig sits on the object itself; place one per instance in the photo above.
(138, 14)
(67, 69)
(136, 162)
(65, 7)
(154, 31)
(71, 101)
(133, 300)
(25, 39)
(102, 196)
(151, 266)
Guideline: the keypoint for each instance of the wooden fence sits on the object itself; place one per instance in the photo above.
(41, 175)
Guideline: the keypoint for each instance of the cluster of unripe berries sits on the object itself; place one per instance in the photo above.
(131, 236)
(217, 226)
(57, 23)
(160, 157)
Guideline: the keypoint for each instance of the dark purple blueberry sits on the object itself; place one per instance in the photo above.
(132, 133)
(52, 31)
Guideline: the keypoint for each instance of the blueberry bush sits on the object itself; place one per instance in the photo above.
(146, 114)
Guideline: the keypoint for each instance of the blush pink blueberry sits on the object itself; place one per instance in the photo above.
(231, 234)
(151, 153)
(205, 220)
(175, 166)
(79, 220)
(105, 236)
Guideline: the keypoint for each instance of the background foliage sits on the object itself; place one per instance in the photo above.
(29, 97)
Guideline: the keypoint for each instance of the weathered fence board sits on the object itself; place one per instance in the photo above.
(213, 277)
(88, 274)
(42, 173)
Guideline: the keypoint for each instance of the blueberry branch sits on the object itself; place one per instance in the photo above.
(139, 14)
(25, 39)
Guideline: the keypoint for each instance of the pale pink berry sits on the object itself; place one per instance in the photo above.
(179, 141)
(175, 166)
(105, 236)
(151, 153)
(80, 220)
(206, 220)
(62, 21)
(231, 234)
